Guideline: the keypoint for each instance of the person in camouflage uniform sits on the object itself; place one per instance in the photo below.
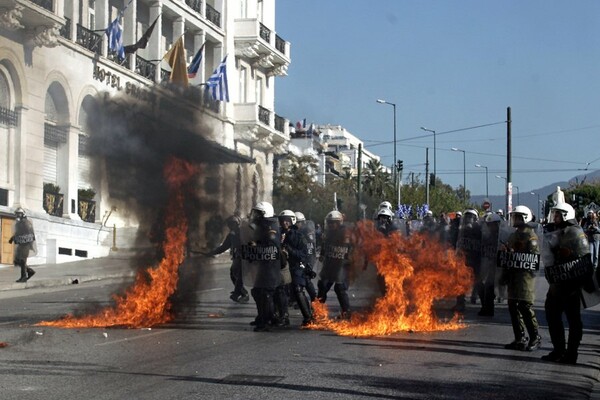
(564, 297)
(24, 238)
(521, 283)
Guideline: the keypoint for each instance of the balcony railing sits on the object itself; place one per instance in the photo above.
(65, 31)
(265, 33)
(264, 115)
(213, 15)
(145, 68)
(8, 117)
(280, 44)
(47, 4)
(279, 123)
(113, 56)
(195, 5)
(55, 134)
(207, 101)
(88, 39)
(164, 75)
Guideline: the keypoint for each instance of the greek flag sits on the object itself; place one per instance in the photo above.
(217, 83)
(114, 33)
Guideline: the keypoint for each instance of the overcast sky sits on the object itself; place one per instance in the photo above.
(450, 65)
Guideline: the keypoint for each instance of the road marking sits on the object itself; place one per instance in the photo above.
(133, 338)
(210, 290)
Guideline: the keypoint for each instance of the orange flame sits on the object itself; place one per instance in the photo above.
(417, 271)
(146, 303)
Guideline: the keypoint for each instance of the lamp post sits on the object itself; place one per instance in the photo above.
(380, 101)
(487, 191)
(434, 151)
(518, 201)
(505, 191)
(538, 204)
(464, 173)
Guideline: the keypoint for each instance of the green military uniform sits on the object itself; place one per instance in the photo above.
(521, 290)
(565, 297)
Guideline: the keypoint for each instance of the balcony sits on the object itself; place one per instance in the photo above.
(256, 42)
(145, 68)
(255, 123)
(213, 15)
(195, 5)
(38, 19)
(8, 117)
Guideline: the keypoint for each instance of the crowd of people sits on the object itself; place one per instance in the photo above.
(277, 257)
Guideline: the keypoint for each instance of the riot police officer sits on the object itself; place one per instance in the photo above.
(335, 254)
(232, 243)
(24, 237)
(385, 224)
(261, 260)
(294, 247)
(519, 277)
(308, 229)
(568, 245)
(469, 244)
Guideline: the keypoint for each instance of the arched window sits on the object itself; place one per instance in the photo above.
(8, 119)
(83, 162)
(55, 135)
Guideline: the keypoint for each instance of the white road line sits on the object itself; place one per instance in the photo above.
(146, 335)
(211, 290)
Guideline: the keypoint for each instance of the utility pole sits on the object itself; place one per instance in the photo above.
(508, 163)
(359, 182)
(427, 176)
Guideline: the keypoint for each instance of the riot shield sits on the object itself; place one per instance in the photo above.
(260, 253)
(490, 239)
(336, 253)
(469, 244)
(308, 230)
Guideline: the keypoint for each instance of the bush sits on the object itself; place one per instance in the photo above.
(51, 188)
(86, 194)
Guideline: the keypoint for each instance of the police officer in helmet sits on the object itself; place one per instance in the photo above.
(569, 247)
(335, 254)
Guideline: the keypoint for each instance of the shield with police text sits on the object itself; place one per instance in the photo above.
(260, 252)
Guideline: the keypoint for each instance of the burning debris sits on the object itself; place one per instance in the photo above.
(417, 272)
(147, 301)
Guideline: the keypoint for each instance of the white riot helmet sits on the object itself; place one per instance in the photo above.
(566, 210)
(300, 217)
(334, 217)
(386, 204)
(524, 211)
(386, 212)
(20, 211)
(472, 212)
(288, 214)
(264, 209)
(491, 217)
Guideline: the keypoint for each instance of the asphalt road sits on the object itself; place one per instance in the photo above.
(211, 352)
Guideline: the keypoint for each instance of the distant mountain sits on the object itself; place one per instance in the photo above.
(530, 200)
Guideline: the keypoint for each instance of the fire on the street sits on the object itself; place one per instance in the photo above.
(146, 303)
(417, 272)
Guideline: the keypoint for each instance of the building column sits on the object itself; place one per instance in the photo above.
(20, 152)
(68, 165)
(199, 39)
(156, 52)
(130, 29)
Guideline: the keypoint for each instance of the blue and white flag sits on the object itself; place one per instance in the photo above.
(217, 83)
(195, 64)
(114, 33)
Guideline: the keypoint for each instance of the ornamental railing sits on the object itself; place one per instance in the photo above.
(53, 203)
(8, 117)
(264, 115)
(195, 5)
(279, 123)
(280, 44)
(213, 15)
(89, 39)
(65, 30)
(145, 68)
(265, 33)
(47, 4)
(87, 210)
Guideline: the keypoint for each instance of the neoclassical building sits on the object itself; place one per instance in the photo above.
(54, 63)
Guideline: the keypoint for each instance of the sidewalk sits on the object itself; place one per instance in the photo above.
(51, 275)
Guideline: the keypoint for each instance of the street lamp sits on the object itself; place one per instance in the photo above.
(518, 201)
(394, 163)
(487, 192)
(464, 173)
(538, 203)
(434, 151)
(505, 191)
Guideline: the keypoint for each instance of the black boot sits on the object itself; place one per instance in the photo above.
(30, 273)
(305, 307)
